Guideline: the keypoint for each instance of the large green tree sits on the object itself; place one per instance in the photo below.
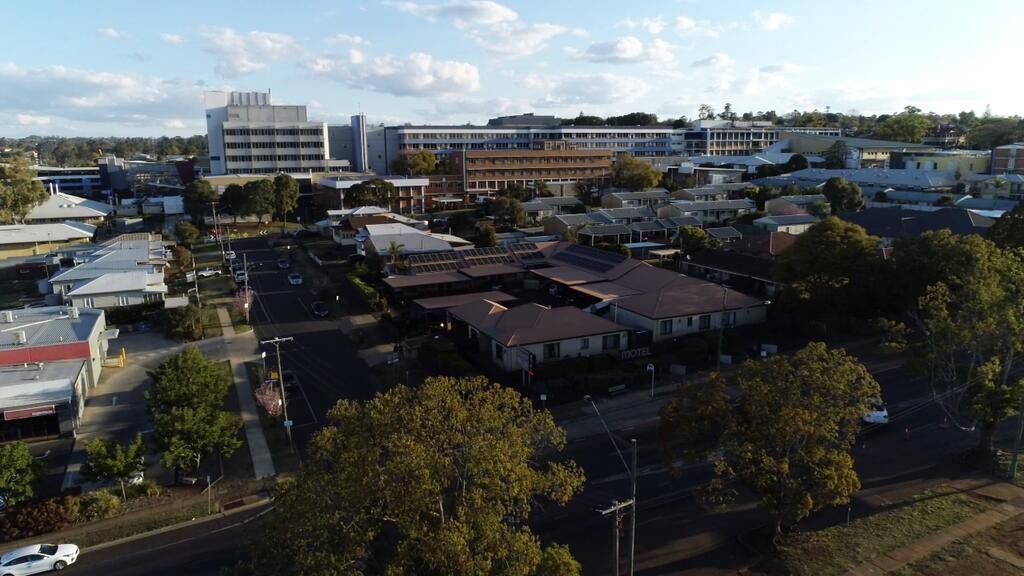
(286, 196)
(187, 232)
(259, 198)
(508, 210)
(833, 268)
(232, 200)
(694, 239)
(787, 436)
(106, 460)
(1008, 230)
(633, 174)
(907, 126)
(18, 471)
(198, 196)
(843, 195)
(434, 480)
(19, 193)
(995, 131)
(373, 192)
(419, 163)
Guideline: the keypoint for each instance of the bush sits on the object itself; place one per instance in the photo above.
(99, 505)
(370, 295)
(40, 516)
(184, 323)
(146, 488)
(183, 256)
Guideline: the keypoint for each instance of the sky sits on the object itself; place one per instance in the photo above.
(113, 68)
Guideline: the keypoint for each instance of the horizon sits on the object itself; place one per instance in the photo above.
(130, 71)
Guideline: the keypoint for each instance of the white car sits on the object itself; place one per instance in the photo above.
(877, 414)
(208, 272)
(230, 255)
(241, 277)
(37, 559)
(295, 279)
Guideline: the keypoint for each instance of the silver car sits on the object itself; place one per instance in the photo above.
(37, 559)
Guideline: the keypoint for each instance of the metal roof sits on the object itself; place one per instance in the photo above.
(59, 232)
(48, 325)
(38, 384)
(61, 206)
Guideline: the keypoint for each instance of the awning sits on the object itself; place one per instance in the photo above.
(29, 413)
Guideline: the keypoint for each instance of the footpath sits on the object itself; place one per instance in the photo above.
(1011, 498)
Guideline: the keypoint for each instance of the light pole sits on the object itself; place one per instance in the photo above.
(280, 381)
(632, 502)
(721, 328)
(650, 368)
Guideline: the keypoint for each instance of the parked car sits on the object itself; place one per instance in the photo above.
(319, 309)
(284, 263)
(241, 276)
(295, 279)
(230, 255)
(208, 272)
(877, 414)
(289, 380)
(38, 558)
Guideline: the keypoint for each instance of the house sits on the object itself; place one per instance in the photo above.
(35, 239)
(344, 225)
(629, 215)
(890, 224)
(908, 198)
(718, 211)
(651, 198)
(724, 234)
(1001, 186)
(688, 306)
(799, 204)
(513, 338)
(793, 224)
(705, 194)
(540, 208)
(61, 207)
(753, 274)
(51, 357)
(378, 239)
(605, 234)
(124, 271)
(766, 246)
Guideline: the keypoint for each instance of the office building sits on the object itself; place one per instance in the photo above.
(73, 179)
(248, 134)
(487, 171)
(735, 138)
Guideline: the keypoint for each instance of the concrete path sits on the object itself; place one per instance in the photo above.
(1012, 505)
(239, 349)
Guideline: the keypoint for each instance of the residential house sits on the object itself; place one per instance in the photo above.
(513, 338)
(753, 274)
(891, 224)
(706, 194)
(650, 198)
(718, 211)
(35, 239)
(793, 224)
(1010, 185)
(540, 208)
(378, 239)
(726, 234)
(125, 271)
(798, 204)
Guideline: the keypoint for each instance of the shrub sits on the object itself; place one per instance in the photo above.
(40, 517)
(99, 505)
(370, 295)
(146, 488)
(184, 323)
(183, 256)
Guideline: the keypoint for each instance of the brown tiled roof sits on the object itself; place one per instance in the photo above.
(685, 297)
(442, 302)
(531, 323)
(429, 279)
(764, 245)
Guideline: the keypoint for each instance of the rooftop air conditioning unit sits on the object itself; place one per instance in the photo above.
(20, 337)
(73, 312)
(7, 316)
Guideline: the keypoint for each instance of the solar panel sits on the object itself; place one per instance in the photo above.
(596, 254)
(586, 263)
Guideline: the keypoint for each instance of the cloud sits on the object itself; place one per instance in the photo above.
(81, 95)
(456, 108)
(110, 33)
(628, 49)
(31, 120)
(772, 20)
(347, 39)
(780, 68)
(717, 60)
(418, 74)
(582, 33)
(463, 12)
(171, 38)
(516, 39)
(175, 123)
(688, 26)
(575, 89)
(653, 25)
(242, 53)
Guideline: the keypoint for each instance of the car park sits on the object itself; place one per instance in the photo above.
(37, 559)
(284, 263)
(319, 309)
(295, 279)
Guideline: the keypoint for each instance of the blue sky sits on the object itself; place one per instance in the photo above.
(131, 68)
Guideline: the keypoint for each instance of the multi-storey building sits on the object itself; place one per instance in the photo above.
(83, 180)
(736, 138)
(247, 134)
(487, 171)
(1008, 159)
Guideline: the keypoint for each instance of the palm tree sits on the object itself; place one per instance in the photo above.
(394, 251)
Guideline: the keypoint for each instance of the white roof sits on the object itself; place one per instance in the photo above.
(359, 211)
(112, 283)
(57, 232)
(378, 229)
(346, 183)
(60, 206)
(38, 384)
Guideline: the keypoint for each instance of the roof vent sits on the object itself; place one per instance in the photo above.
(7, 316)
(20, 337)
(73, 312)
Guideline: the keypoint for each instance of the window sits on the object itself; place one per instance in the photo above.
(665, 327)
(499, 352)
(705, 322)
(17, 561)
(552, 351)
(584, 343)
(610, 342)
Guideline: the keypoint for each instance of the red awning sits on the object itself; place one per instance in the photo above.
(29, 412)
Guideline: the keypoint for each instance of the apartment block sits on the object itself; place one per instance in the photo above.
(1008, 159)
(487, 171)
(736, 138)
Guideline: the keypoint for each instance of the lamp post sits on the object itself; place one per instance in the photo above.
(280, 381)
(632, 471)
(650, 368)
(721, 328)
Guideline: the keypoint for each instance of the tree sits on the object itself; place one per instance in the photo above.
(18, 470)
(232, 200)
(198, 196)
(634, 174)
(819, 209)
(727, 113)
(187, 379)
(184, 322)
(541, 190)
(992, 132)
(394, 251)
(436, 479)
(516, 191)
(843, 195)
(508, 210)
(705, 112)
(488, 238)
(632, 119)
(907, 126)
(374, 192)
(797, 162)
(186, 232)
(693, 239)
(19, 193)
(787, 437)
(183, 256)
(1008, 230)
(614, 248)
(106, 461)
(584, 120)
(286, 196)
(833, 267)
(835, 156)
(420, 163)
(259, 198)
(993, 399)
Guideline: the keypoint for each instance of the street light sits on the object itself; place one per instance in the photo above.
(721, 327)
(632, 502)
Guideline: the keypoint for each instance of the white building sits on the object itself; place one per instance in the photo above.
(790, 223)
(126, 271)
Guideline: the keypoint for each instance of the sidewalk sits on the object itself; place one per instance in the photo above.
(1012, 504)
(239, 349)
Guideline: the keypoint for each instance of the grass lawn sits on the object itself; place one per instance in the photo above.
(189, 511)
(284, 459)
(217, 287)
(238, 320)
(211, 322)
(979, 554)
(835, 550)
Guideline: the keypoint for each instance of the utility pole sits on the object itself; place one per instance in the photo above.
(1016, 445)
(280, 382)
(245, 278)
(195, 279)
(617, 508)
(216, 226)
(721, 329)
(632, 516)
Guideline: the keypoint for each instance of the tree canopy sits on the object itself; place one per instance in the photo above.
(198, 196)
(1008, 230)
(907, 126)
(507, 209)
(843, 195)
(419, 163)
(787, 436)
(374, 192)
(437, 479)
(18, 471)
(286, 195)
(19, 193)
(258, 199)
(633, 174)
(186, 231)
(693, 239)
(106, 460)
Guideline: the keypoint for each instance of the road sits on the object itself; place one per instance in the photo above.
(674, 533)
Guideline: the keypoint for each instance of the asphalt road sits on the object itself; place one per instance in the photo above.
(674, 533)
